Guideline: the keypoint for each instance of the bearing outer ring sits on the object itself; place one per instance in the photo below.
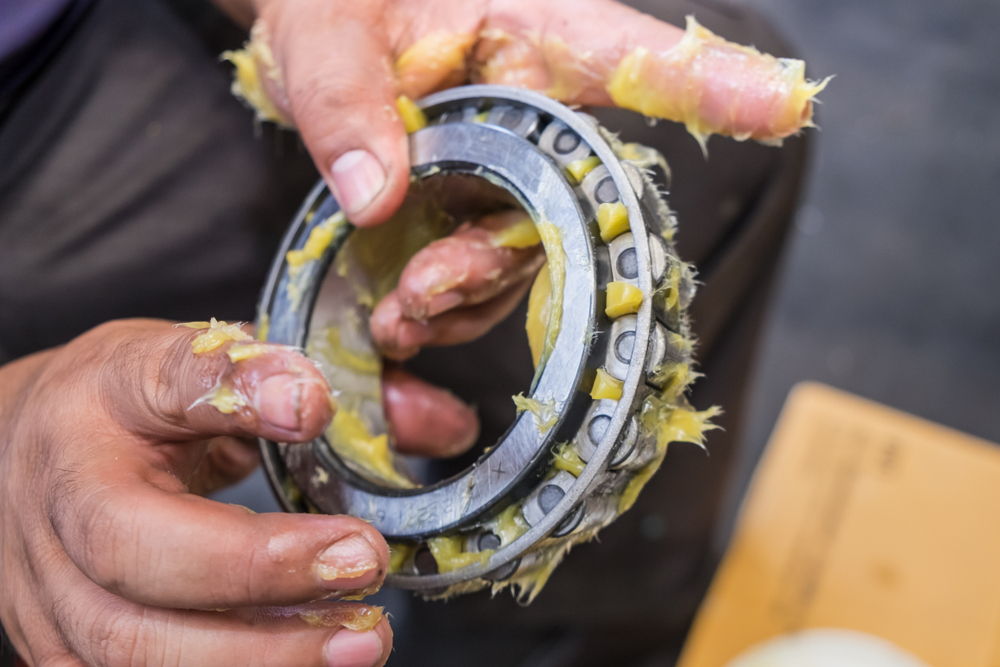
(446, 147)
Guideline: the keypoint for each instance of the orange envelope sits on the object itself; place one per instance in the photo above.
(865, 518)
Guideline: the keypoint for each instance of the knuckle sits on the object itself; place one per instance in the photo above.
(102, 533)
(105, 632)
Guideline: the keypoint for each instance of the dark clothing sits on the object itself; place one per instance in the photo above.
(133, 184)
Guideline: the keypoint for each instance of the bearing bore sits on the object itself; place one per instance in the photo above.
(607, 396)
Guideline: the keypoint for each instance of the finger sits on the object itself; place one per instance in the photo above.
(106, 631)
(400, 337)
(610, 54)
(426, 420)
(180, 383)
(471, 266)
(226, 461)
(433, 40)
(341, 91)
(132, 536)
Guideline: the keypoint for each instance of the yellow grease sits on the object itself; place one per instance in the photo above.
(578, 169)
(412, 115)
(522, 234)
(539, 305)
(246, 351)
(674, 378)
(509, 524)
(223, 399)
(359, 618)
(481, 117)
(397, 555)
(352, 440)
(605, 386)
(556, 265)
(447, 551)
(669, 423)
(637, 84)
(319, 240)
(433, 60)
(263, 327)
(668, 292)
(364, 363)
(250, 61)
(623, 299)
(219, 332)
(567, 459)
(545, 413)
(612, 219)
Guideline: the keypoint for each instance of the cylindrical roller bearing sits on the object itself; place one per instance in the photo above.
(612, 375)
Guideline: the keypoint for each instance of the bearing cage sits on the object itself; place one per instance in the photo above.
(460, 120)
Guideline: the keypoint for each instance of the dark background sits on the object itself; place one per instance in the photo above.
(890, 287)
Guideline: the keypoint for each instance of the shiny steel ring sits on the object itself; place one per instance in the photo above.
(522, 142)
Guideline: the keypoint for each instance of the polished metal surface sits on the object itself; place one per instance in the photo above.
(522, 142)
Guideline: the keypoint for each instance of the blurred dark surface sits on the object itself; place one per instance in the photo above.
(889, 287)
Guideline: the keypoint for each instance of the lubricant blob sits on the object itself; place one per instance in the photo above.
(263, 326)
(509, 524)
(567, 459)
(359, 618)
(522, 234)
(242, 352)
(578, 169)
(253, 62)
(677, 84)
(319, 240)
(622, 299)
(448, 553)
(669, 423)
(539, 305)
(352, 440)
(412, 115)
(365, 363)
(219, 333)
(605, 386)
(397, 556)
(612, 220)
(552, 301)
(223, 399)
(300, 261)
(433, 62)
(544, 412)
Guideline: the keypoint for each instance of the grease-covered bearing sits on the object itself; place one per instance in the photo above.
(605, 401)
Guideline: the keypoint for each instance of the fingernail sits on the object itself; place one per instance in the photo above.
(348, 648)
(358, 177)
(277, 402)
(344, 564)
(439, 303)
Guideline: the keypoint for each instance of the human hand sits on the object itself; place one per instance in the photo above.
(106, 555)
(335, 68)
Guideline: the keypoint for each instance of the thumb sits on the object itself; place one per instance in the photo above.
(190, 382)
(342, 93)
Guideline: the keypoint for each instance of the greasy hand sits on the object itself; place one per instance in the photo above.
(106, 556)
(334, 70)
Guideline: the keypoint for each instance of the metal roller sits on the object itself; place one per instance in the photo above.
(526, 146)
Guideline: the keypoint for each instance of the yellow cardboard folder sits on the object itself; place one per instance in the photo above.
(864, 518)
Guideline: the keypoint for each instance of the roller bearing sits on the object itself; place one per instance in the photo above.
(523, 142)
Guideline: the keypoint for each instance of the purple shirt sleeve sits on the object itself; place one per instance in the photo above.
(23, 21)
